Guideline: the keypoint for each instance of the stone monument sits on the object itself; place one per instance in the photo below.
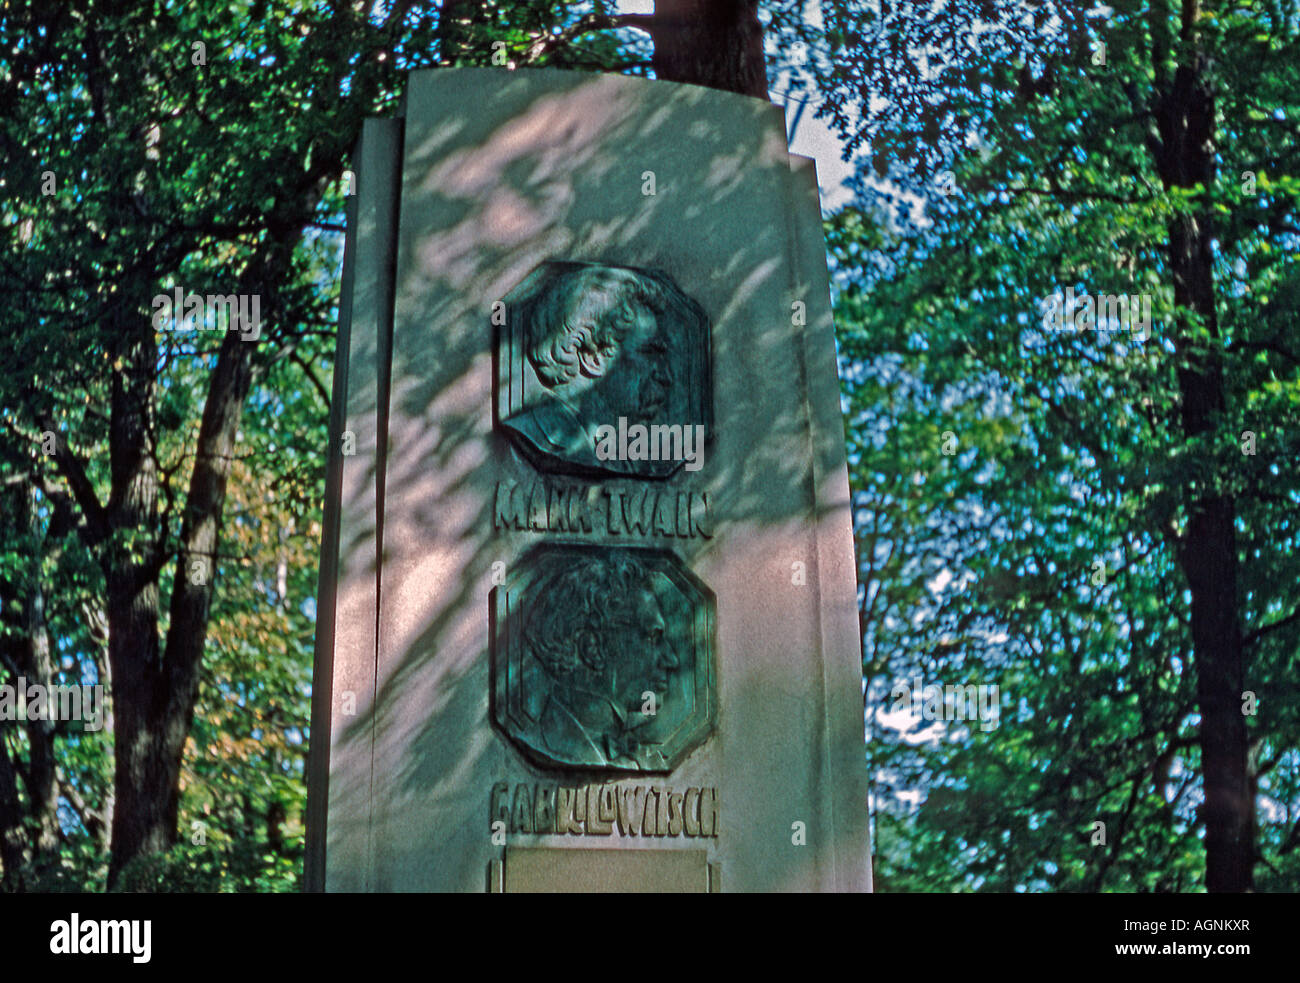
(587, 616)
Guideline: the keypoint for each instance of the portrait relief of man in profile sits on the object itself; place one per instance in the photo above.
(596, 646)
(595, 344)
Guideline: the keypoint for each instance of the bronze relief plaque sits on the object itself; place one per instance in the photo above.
(587, 345)
(603, 658)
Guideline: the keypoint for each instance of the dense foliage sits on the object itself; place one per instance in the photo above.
(1034, 497)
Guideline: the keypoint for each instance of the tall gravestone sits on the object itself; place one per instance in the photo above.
(587, 617)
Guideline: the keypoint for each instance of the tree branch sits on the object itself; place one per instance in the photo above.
(586, 24)
(299, 361)
(1260, 632)
(75, 476)
(1265, 346)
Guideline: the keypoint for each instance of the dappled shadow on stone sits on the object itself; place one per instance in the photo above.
(552, 166)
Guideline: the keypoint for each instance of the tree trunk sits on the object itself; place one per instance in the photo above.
(140, 777)
(42, 785)
(155, 700)
(1185, 159)
(718, 43)
(27, 654)
(12, 834)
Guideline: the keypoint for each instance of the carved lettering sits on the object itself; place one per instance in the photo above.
(638, 512)
(544, 507)
(580, 509)
(557, 510)
(596, 823)
(499, 806)
(664, 516)
(631, 810)
(701, 515)
(544, 811)
(579, 810)
(709, 812)
(648, 827)
(594, 810)
(521, 820)
(537, 508)
(614, 513)
(566, 820)
(675, 814)
(607, 805)
(691, 812)
(508, 514)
